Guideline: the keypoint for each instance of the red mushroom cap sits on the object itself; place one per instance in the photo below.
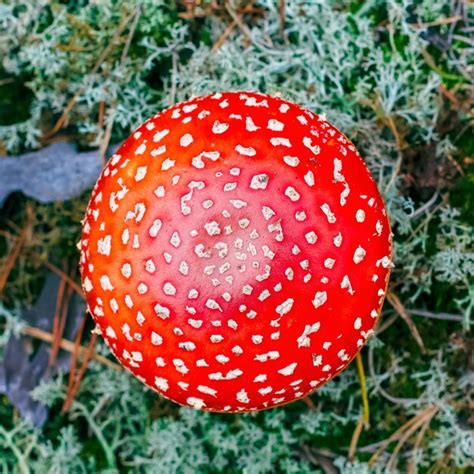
(235, 252)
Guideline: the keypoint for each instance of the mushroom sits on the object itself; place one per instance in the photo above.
(235, 252)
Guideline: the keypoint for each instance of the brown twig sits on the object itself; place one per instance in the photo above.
(309, 403)
(281, 15)
(441, 21)
(400, 432)
(72, 385)
(89, 350)
(107, 50)
(15, 252)
(419, 438)
(72, 283)
(400, 309)
(423, 419)
(454, 100)
(355, 438)
(58, 312)
(67, 345)
(238, 20)
(105, 139)
(220, 41)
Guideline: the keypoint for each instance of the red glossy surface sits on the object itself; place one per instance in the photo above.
(235, 252)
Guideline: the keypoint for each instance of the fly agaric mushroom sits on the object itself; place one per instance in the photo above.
(235, 252)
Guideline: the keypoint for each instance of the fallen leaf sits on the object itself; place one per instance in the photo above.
(54, 173)
(25, 361)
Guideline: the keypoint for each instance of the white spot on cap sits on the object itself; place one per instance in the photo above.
(271, 355)
(141, 173)
(218, 127)
(242, 396)
(346, 285)
(275, 125)
(277, 141)
(329, 214)
(319, 298)
(150, 266)
(285, 307)
(309, 178)
(161, 311)
(198, 162)
(194, 402)
(304, 340)
(212, 228)
(104, 244)
(329, 263)
(187, 346)
(155, 228)
(159, 135)
(307, 142)
(311, 237)
(193, 293)
(105, 283)
(360, 215)
(175, 239)
(207, 390)
(156, 339)
(161, 383)
(292, 161)
(292, 194)
(87, 284)
(359, 254)
(186, 140)
(180, 366)
(167, 164)
(357, 323)
(249, 125)
(159, 191)
(141, 149)
(259, 181)
(158, 151)
(246, 151)
(288, 370)
(230, 375)
(169, 289)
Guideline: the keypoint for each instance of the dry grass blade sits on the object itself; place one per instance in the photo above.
(70, 281)
(423, 419)
(107, 50)
(238, 20)
(15, 252)
(400, 309)
(220, 41)
(363, 389)
(58, 314)
(355, 438)
(104, 137)
(309, 403)
(281, 15)
(419, 438)
(75, 377)
(72, 385)
(67, 345)
(401, 431)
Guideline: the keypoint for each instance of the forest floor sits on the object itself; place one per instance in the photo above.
(396, 76)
